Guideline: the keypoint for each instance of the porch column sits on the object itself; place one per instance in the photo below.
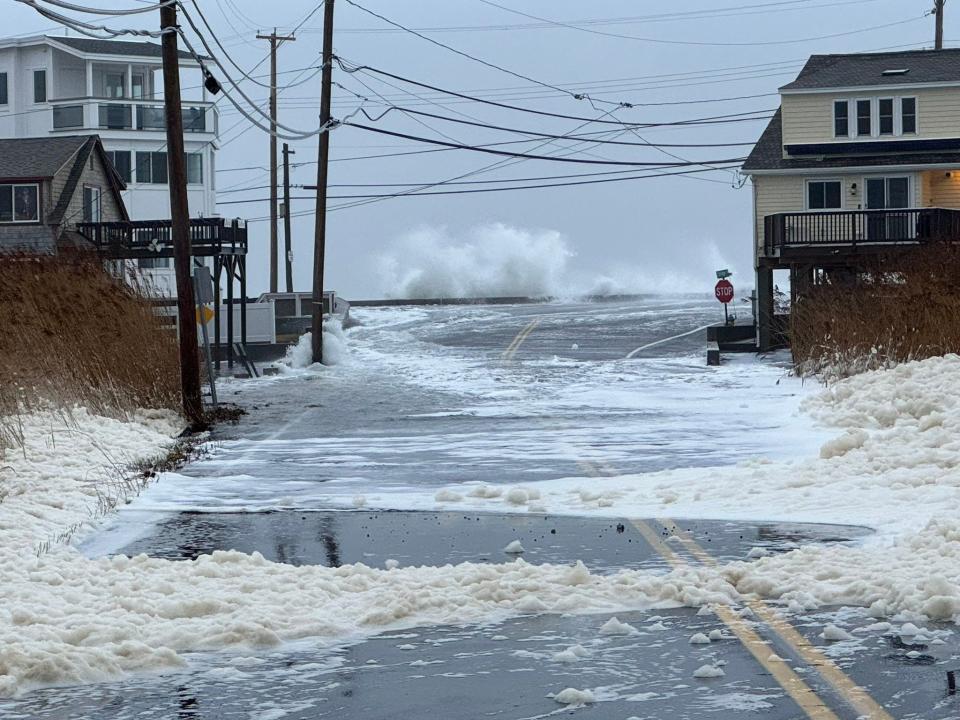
(765, 308)
(89, 109)
(129, 81)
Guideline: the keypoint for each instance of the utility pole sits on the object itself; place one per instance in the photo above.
(938, 11)
(288, 250)
(273, 38)
(320, 229)
(180, 219)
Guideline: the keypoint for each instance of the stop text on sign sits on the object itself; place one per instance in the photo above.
(724, 291)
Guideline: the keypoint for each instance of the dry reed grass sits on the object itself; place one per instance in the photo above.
(75, 335)
(895, 310)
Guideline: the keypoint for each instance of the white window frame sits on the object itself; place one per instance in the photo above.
(13, 209)
(850, 119)
(806, 193)
(893, 116)
(33, 86)
(96, 193)
(898, 115)
(855, 130)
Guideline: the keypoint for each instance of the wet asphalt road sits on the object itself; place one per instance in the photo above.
(470, 416)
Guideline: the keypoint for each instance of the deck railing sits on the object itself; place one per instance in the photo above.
(151, 238)
(852, 228)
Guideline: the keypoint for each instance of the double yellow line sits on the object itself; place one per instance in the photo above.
(808, 700)
(812, 704)
(518, 340)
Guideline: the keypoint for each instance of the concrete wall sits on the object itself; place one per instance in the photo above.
(808, 118)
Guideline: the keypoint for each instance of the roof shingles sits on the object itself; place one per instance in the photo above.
(823, 72)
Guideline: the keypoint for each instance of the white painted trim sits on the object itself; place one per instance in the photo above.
(867, 88)
(851, 170)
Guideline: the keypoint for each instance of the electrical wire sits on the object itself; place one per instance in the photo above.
(351, 68)
(112, 12)
(534, 133)
(754, 43)
(465, 192)
(88, 29)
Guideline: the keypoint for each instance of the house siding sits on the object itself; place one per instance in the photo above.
(940, 190)
(808, 118)
(95, 176)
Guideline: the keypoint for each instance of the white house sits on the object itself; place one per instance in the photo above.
(57, 86)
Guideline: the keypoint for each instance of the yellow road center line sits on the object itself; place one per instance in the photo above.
(857, 696)
(789, 680)
(518, 340)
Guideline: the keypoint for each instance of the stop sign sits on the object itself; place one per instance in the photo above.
(724, 291)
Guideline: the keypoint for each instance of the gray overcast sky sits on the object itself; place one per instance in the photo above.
(664, 233)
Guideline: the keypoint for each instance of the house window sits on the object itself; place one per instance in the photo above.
(113, 85)
(885, 107)
(137, 86)
(195, 168)
(823, 195)
(39, 86)
(91, 204)
(19, 203)
(3, 89)
(121, 161)
(152, 167)
(863, 117)
(841, 119)
(908, 115)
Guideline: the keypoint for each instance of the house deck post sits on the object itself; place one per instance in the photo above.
(765, 308)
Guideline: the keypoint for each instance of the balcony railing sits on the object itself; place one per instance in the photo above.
(852, 228)
(130, 115)
(151, 238)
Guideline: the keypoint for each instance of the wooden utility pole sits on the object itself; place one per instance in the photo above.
(287, 248)
(320, 229)
(938, 11)
(273, 38)
(180, 220)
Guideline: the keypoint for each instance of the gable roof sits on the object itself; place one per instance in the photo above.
(767, 154)
(866, 69)
(128, 48)
(37, 157)
(43, 158)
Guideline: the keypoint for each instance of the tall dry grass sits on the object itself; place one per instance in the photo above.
(894, 309)
(74, 335)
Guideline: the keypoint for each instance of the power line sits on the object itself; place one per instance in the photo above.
(470, 191)
(759, 9)
(754, 43)
(534, 133)
(505, 153)
(519, 108)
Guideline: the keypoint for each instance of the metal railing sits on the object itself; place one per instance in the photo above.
(151, 238)
(859, 227)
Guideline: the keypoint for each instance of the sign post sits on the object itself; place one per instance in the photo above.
(203, 292)
(724, 293)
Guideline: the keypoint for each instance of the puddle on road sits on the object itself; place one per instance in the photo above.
(436, 538)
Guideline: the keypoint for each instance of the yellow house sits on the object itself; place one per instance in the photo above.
(862, 158)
